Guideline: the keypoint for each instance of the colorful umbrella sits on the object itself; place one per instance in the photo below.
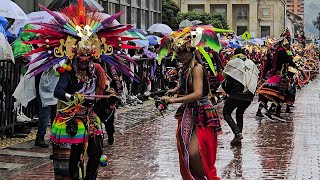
(153, 40)
(137, 34)
(141, 43)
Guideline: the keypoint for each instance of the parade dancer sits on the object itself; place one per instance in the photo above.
(198, 121)
(81, 38)
(276, 88)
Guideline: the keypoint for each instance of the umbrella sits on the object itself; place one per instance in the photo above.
(5, 49)
(34, 17)
(10, 9)
(114, 23)
(141, 43)
(185, 23)
(137, 34)
(196, 22)
(244, 71)
(144, 33)
(60, 4)
(160, 28)
(153, 40)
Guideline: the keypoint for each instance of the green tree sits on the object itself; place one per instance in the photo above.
(215, 20)
(316, 23)
(170, 11)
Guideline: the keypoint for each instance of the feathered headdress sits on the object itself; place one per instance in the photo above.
(188, 38)
(78, 32)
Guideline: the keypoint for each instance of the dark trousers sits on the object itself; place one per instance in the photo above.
(109, 124)
(229, 106)
(94, 153)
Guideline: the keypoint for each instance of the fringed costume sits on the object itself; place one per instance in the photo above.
(83, 40)
(198, 117)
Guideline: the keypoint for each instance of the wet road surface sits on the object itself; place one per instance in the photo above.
(145, 147)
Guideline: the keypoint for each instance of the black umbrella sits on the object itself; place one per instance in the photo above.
(56, 5)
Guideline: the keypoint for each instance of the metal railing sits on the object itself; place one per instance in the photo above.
(10, 74)
(9, 79)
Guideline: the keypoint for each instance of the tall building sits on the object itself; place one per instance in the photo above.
(259, 17)
(296, 7)
(140, 13)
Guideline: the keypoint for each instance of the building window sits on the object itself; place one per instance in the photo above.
(143, 4)
(126, 1)
(123, 18)
(112, 8)
(241, 30)
(196, 7)
(155, 5)
(219, 9)
(265, 31)
(134, 2)
(242, 13)
(134, 17)
(143, 20)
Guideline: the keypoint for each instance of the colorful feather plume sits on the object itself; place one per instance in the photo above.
(75, 29)
(210, 39)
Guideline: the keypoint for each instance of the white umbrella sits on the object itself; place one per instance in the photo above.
(196, 22)
(34, 17)
(244, 71)
(5, 49)
(185, 23)
(10, 9)
(160, 28)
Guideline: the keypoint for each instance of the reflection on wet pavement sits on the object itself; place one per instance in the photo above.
(146, 149)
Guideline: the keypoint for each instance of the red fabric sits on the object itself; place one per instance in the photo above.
(208, 144)
(274, 80)
(220, 78)
(208, 150)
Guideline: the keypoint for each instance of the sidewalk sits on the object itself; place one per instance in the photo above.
(145, 147)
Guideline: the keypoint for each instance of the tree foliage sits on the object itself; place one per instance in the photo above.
(170, 11)
(172, 16)
(215, 20)
(316, 23)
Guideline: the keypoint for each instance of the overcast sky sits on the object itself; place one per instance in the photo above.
(312, 8)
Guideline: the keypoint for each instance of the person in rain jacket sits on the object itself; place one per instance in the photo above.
(238, 99)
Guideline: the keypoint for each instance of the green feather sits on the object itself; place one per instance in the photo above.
(207, 57)
(173, 56)
(212, 44)
(163, 52)
(217, 30)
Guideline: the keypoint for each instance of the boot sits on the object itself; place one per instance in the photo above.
(288, 110)
(40, 142)
(236, 140)
(110, 139)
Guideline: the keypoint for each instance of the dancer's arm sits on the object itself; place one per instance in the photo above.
(60, 90)
(197, 75)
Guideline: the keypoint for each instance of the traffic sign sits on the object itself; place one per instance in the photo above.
(246, 36)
